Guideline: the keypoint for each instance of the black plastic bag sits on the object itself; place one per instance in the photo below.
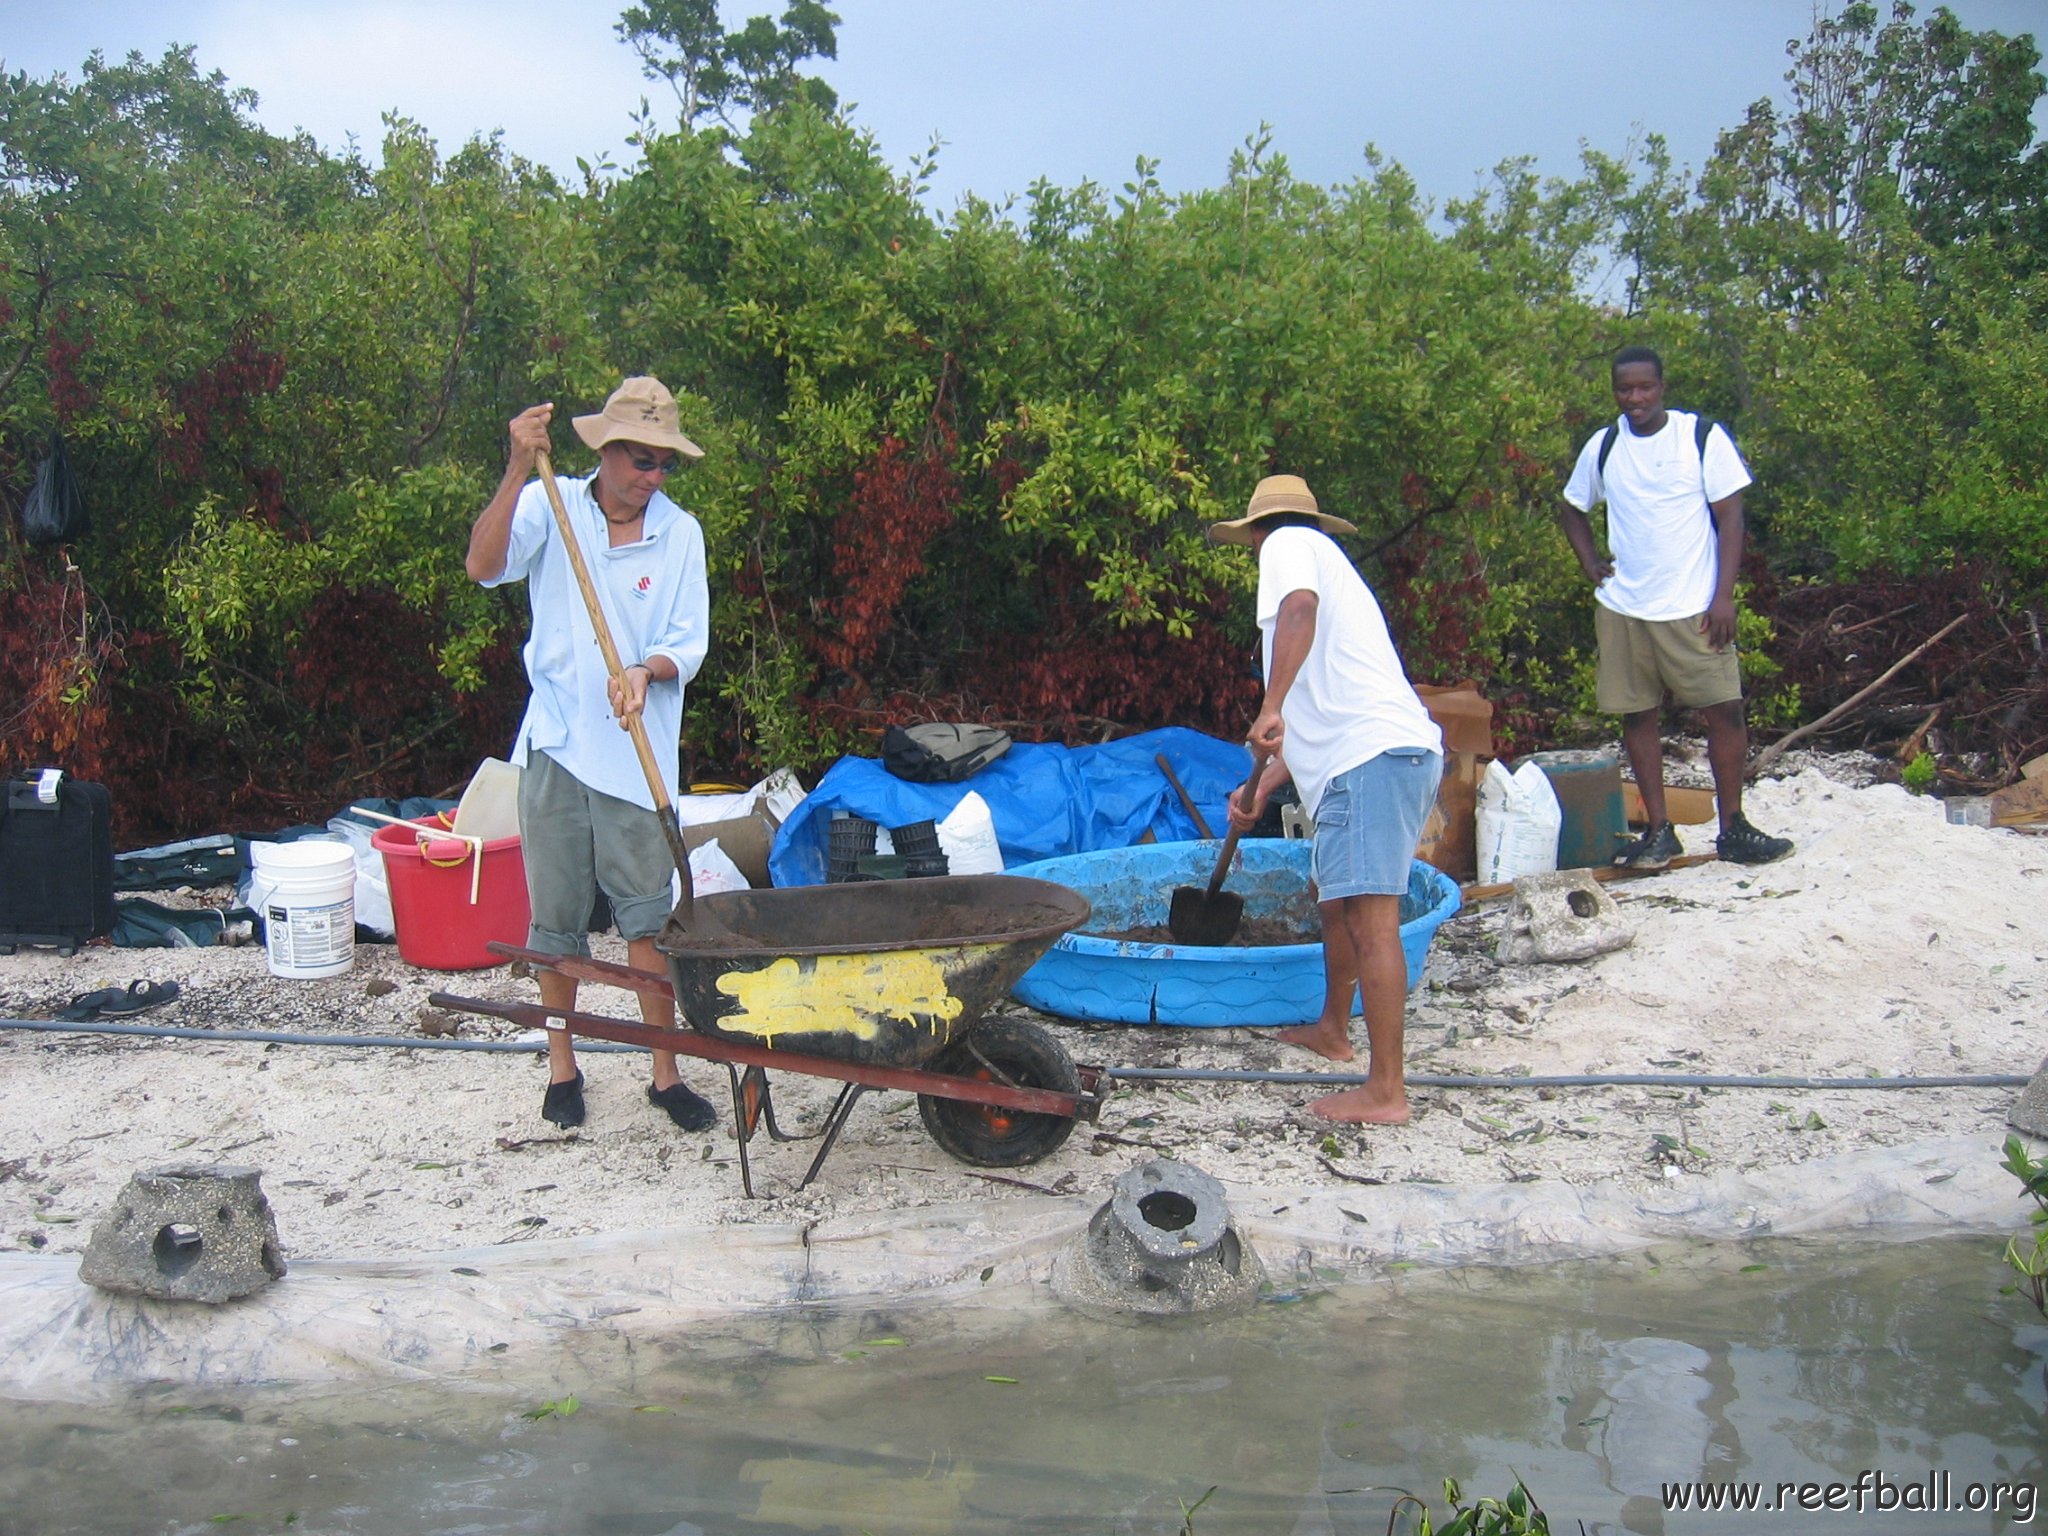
(55, 510)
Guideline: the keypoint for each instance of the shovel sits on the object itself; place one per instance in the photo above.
(664, 808)
(1206, 919)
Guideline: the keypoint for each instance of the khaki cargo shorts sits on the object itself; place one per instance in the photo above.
(1640, 658)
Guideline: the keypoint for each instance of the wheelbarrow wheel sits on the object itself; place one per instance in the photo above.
(1000, 1050)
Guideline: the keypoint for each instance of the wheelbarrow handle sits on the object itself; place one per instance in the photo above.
(664, 808)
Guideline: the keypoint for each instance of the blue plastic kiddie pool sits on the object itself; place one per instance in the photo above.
(1120, 981)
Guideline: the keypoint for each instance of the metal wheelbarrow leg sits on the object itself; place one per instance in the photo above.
(990, 1100)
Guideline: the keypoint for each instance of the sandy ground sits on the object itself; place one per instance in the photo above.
(1890, 943)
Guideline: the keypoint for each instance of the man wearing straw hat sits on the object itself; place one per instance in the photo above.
(586, 812)
(1341, 720)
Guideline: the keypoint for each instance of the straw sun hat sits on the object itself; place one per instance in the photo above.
(1277, 494)
(641, 410)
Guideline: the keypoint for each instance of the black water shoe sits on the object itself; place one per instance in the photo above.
(1653, 850)
(691, 1111)
(1743, 844)
(113, 1002)
(563, 1103)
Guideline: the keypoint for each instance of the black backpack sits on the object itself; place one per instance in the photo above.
(941, 753)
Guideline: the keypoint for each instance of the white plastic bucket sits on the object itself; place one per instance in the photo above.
(309, 915)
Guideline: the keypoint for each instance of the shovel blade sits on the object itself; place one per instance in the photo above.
(1202, 918)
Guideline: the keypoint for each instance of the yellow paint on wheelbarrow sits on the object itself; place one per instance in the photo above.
(856, 995)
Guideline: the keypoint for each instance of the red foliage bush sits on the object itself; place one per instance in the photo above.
(900, 501)
(214, 405)
(56, 674)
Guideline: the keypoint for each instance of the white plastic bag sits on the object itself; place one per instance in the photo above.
(1518, 823)
(968, 838)
(712, 870)
(373, 891)
(777, 795)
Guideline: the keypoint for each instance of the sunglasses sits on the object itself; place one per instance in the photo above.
(647, 465)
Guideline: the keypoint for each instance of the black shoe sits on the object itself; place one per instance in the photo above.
(563, 1103)
(1653, 850)
(1743, 844)
(691, 1111)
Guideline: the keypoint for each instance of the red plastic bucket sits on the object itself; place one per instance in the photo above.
(446, 903)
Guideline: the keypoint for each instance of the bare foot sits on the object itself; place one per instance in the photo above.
(1363, 1106)
(1335, 1044)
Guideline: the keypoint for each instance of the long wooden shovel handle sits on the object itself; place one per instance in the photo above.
(664, 808)
(1251, 795)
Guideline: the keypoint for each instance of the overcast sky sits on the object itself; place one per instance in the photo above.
(1070, 90)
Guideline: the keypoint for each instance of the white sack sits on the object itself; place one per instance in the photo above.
(1518, 823)
(968, 838)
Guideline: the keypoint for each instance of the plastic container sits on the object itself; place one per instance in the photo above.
(1127, 981)
(1593, 823)
(917, 844)
(448, 901)
(489, 807)
(309, 915)
(916, 840)
(881, 866)
(849, 839)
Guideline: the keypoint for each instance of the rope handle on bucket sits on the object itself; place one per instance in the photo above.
(474, 853)
(473, 849)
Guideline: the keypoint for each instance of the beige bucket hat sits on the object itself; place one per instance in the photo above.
(1277, 494)
(641, 410)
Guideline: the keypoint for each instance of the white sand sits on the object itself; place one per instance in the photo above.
(1890, 943)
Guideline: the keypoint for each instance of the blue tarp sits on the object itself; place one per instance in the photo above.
(1046, 800)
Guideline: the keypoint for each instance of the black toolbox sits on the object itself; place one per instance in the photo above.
(56, 862)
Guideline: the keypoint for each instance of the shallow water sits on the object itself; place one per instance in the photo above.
(1597, 1383)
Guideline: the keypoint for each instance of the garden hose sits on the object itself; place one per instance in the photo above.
(1122, 1074)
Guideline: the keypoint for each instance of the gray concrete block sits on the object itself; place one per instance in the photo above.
(1164, 1243)
(186, 1232)
(1562, 915)
(2029, 1114)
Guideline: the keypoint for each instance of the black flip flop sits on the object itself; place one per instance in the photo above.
(112, 1002)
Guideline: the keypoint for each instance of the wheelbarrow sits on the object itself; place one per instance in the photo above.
(877, 984)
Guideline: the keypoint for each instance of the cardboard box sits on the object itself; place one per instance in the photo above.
(745, 839)
(1462, 713)
(1450, 835)
(1687, 807)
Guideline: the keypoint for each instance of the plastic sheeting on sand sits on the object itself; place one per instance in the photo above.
(1045, 799)
(517, 1315)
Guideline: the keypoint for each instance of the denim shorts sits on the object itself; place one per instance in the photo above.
(1370, 821)
(575, 839)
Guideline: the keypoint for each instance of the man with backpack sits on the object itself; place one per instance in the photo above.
(1664, 602)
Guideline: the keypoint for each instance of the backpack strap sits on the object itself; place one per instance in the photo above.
(1702, 427)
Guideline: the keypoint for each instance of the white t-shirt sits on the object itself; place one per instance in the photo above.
(1351, 701)
(656, 601)
(1659, 526)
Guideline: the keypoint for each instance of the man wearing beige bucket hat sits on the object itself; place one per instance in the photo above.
(586, 813)
(1341, 720)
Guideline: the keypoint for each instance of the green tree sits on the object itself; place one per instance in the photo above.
(716, 73)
